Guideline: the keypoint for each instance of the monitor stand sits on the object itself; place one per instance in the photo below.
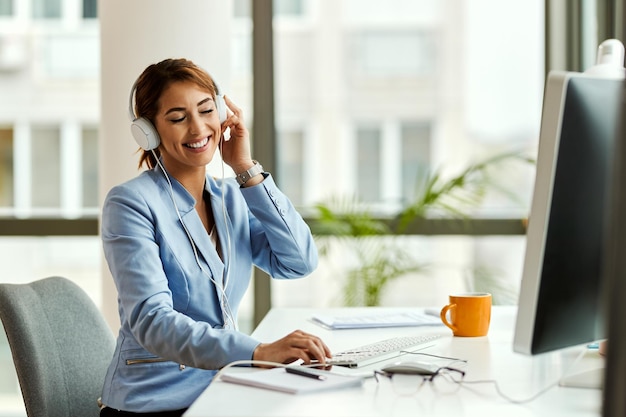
(586, 372)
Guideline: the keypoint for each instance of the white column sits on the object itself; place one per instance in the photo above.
(133, 35)
(334, 171)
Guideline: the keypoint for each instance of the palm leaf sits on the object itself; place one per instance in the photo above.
(455, 196)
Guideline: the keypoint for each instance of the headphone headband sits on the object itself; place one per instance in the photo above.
(131, 111)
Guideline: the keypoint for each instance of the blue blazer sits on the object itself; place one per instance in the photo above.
(172, 336)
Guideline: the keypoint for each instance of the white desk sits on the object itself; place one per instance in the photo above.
(489, 358)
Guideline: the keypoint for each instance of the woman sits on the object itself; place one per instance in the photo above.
(181, 245)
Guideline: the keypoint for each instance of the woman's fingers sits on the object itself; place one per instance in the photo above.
(294, 346)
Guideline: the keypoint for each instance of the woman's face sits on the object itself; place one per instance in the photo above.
(189, 127)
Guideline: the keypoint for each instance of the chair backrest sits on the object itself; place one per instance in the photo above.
(61, 346)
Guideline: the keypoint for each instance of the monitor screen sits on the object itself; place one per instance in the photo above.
(560, 303)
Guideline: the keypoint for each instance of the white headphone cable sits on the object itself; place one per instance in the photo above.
(224, 214)
(225, 306)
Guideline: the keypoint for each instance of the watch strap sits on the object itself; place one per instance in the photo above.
(255, 169)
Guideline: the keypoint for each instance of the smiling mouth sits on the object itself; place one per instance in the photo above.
(197, 145)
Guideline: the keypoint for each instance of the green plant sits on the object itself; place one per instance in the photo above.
(456, 195)
(378, 262)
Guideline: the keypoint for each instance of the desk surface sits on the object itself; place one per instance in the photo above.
(518, 377)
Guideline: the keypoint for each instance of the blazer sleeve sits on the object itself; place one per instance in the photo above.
(132, 250)
(281, 241)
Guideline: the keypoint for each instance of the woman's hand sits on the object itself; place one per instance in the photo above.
(294, 346)
(236, 150)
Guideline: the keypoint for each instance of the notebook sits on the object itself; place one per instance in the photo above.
(397, 319)
(278, 379)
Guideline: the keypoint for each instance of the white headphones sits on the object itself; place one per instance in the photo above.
(145, 133)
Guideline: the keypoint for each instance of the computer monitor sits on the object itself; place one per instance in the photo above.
(561, 294)
(614, 400)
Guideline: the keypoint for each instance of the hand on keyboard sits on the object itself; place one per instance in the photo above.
(297, 345)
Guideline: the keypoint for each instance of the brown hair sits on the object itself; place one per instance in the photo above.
(151, 84)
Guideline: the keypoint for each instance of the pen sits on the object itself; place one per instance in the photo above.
(301, 372)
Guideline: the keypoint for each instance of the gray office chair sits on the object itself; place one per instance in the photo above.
(61, 346)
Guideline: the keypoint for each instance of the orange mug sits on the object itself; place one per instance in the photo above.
(470, 314)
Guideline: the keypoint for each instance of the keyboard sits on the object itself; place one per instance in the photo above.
(378, 351)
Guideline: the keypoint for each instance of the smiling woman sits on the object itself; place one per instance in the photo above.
(181, 245)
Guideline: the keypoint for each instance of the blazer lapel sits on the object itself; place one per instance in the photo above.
(224, 231)
(207, 254)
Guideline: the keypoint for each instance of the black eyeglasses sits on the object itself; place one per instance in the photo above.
(443, 380)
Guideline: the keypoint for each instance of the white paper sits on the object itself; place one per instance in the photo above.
(278, 379)
(400, 319)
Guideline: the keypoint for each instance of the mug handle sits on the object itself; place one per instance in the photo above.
(444, 318)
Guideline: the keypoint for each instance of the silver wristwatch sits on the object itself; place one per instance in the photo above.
(255, 169)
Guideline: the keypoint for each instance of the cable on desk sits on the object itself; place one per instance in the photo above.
(505, 396)
(532, 397)
(463, 382)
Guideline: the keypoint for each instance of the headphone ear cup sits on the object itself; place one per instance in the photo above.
(145, 134)
(220, 105)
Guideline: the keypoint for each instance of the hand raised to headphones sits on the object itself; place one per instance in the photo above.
(236, 151)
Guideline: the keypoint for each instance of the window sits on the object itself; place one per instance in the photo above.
(368, 164)
(45, 167)
(46, 9)
(6, 8)
(288, 7)
(89, 161)
(49, 170)
(391, 160)
(396, 89)
(70, 57)
(290, 157)
(90, 9)
(393, 53)
(415, 157)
